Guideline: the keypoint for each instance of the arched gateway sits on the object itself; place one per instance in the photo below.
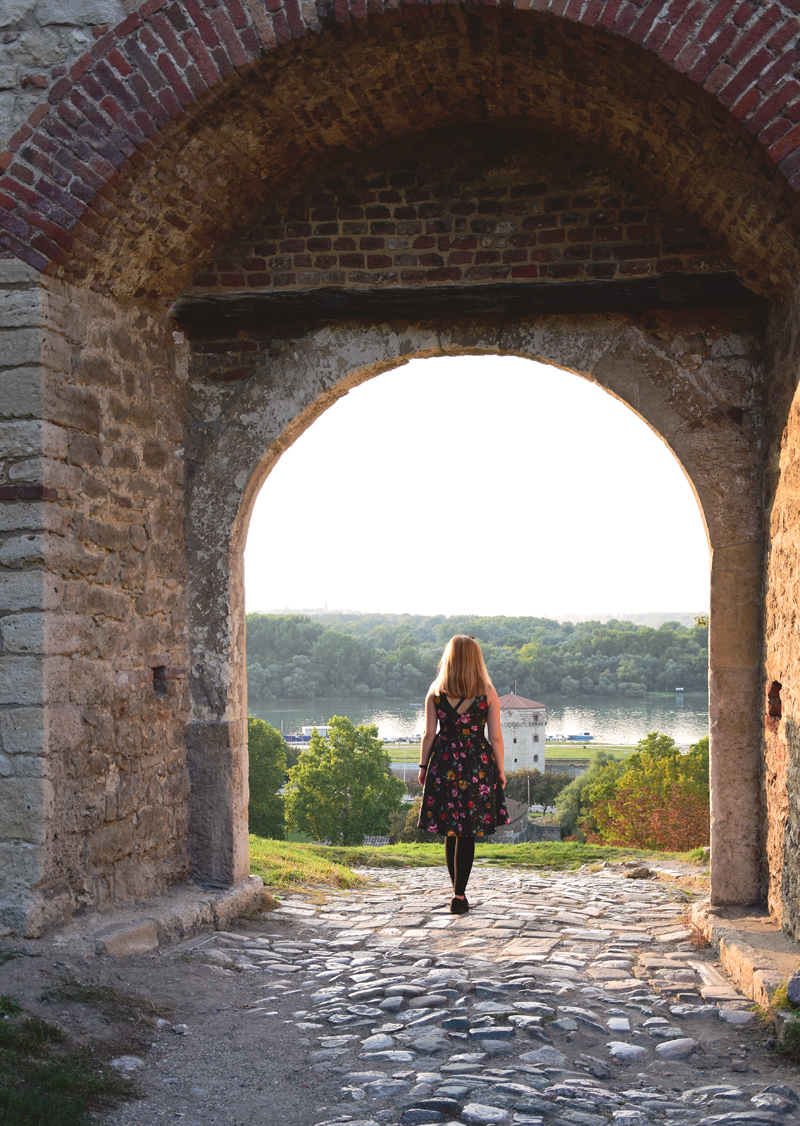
(226, 215)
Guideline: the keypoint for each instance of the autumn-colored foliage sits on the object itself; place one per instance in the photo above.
(657, 799)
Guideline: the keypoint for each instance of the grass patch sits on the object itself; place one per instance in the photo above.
(44, 1084)
(111, 1002)
(286, 865)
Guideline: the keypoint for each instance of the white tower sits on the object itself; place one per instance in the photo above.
(523, 724)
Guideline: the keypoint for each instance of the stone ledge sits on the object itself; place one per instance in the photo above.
(755, 953)
(155, 923)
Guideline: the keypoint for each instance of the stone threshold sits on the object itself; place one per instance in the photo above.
(753, 950)
(153, 924)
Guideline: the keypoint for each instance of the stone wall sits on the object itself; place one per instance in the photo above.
(93, 773)
(39, 41)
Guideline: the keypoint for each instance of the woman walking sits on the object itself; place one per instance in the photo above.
(461, 772)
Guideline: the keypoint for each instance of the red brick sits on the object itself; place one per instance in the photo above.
(785, 145)
(759, 29)
(744, 77)
(714, 19)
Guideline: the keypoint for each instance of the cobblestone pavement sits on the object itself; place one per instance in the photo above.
(570, 999)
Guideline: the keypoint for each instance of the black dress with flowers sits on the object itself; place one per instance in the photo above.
(462, 796)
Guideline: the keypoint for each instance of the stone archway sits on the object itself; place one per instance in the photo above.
(621, 355)
(121, 626)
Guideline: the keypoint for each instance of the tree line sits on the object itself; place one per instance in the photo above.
(378, 655)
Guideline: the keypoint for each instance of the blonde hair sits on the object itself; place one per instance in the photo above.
(462, 671)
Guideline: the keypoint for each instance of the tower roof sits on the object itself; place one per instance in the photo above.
(514, 701)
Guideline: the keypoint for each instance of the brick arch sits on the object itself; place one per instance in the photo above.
(180, 120)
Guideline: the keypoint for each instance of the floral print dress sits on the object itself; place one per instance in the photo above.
(462, 796)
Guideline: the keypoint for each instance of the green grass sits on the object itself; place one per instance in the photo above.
(44, 1084)
(554, 752)
(286, 865)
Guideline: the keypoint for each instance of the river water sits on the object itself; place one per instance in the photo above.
(610, 720)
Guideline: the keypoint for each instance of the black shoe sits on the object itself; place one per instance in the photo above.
(459, 906)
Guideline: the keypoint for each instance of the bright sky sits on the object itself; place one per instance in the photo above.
(486, 485)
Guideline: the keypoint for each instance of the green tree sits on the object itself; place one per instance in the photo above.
(266, 751)
(342, 788)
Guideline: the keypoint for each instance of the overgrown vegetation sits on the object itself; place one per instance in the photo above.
(376, 655)
(285, 866)
(44, 1083)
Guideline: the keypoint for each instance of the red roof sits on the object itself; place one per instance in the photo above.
(514, 701)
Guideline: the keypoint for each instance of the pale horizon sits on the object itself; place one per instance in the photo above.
(477, 485)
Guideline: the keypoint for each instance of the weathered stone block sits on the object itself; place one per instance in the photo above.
(23, 438)
(19, 308)
(19, 346)
(21, 591)
(21, 516)
(21, 680)
(127, 940)
(13, 271)
(78, 12)
(21, 862)
(23, 633)
(22, 731)
(20, 393)
(26, 804)
(71, 406)
(46, 471)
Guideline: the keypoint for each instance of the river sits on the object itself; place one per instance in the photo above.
(610, 720)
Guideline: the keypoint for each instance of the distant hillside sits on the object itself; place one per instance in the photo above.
(338, 653)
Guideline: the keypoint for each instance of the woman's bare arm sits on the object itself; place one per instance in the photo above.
(428, 735)
(496, 734)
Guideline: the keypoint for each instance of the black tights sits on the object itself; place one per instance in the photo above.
(459, 853)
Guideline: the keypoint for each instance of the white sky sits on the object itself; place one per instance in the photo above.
(487, 485)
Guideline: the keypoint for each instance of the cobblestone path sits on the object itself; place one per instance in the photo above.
(560, 1000)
